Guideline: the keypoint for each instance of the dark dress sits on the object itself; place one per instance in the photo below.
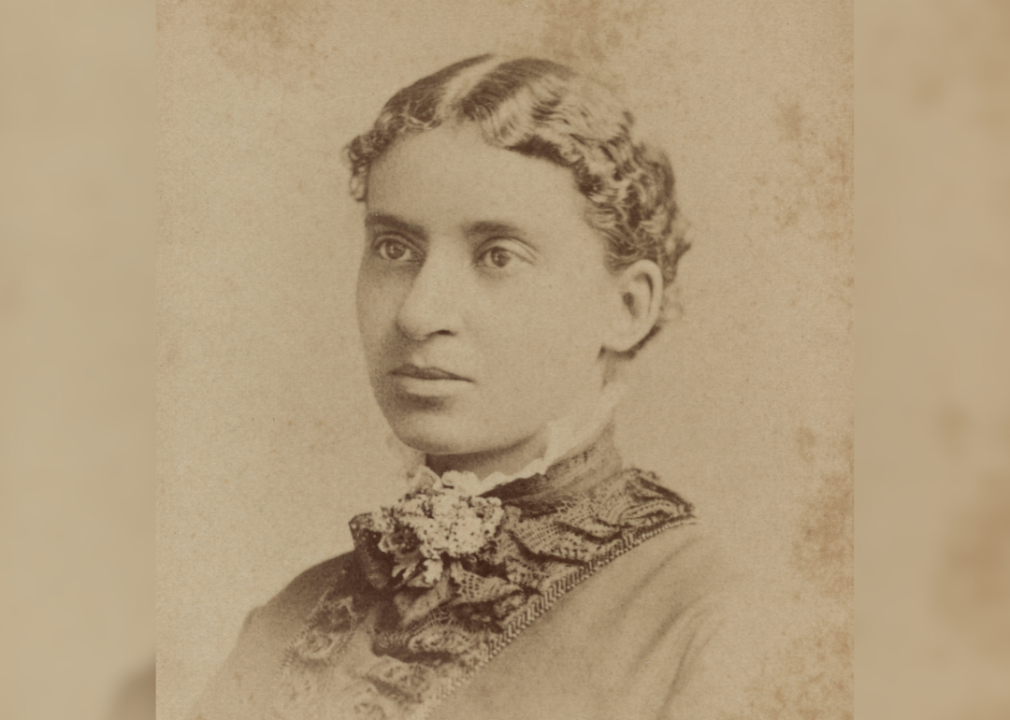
(599, 596)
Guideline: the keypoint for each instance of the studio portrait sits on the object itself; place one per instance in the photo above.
(504, 360)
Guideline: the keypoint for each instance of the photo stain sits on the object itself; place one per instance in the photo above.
(953, 424)
(135, 699)
(812, 677)
(275, 39)
(813, 187)
(806, 439)
(995, 709)
(790, 120)
(813, 673)
(973, 580)
(823, 549)
(577, 31)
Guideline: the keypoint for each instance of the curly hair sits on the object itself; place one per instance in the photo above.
(545, 110)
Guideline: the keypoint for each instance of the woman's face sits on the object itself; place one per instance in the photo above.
(483, 299)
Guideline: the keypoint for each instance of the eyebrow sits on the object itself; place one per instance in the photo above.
(391, 221)
(485, 228)
(474, 230)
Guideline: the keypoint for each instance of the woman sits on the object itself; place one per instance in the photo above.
(520, 243)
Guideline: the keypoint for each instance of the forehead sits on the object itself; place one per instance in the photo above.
(451, 174)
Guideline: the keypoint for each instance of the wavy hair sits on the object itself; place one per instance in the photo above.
(542, 109)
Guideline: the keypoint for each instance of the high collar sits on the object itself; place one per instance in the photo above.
(374, 643)
(592, 462)
(567, 437)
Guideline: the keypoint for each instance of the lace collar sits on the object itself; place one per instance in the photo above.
(441, 545)
(565, 436)
(390, 641)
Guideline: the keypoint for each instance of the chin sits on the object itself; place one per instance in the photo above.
(432, 436)
(441, 435)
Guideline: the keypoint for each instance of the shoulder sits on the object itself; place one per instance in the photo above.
(680, 585)
(269, 629)
(663, 630)
(701, 624)
(685, 563)
(238, 688)
(721, 622)
(292, 604)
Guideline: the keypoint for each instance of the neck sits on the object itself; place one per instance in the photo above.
(507, 460)
(548, 445)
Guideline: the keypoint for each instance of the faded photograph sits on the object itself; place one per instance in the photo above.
(270, 437)
(508, 376)
(520, 243)
(933, 339)
(77, 580)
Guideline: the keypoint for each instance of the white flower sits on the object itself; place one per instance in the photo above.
(406, 564)
(382, 521)
(432, 572)
(466, 483)
(439, 519)
(424, 479)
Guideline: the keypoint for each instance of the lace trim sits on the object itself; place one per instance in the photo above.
(537, 608)
(563, 436)
(422, 645)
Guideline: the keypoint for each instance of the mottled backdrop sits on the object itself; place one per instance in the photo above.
(933, 419)
(268, 438)
(77, 357)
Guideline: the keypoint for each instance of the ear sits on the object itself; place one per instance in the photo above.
(638, 300)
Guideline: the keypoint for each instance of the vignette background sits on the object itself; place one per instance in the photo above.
(268, 438)
(77, 371)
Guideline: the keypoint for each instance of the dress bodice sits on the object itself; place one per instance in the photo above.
(379, 647)
(595, 594)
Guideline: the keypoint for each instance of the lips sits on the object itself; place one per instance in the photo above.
(426, 373)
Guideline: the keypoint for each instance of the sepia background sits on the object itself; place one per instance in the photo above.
(268, 438)
(76, 359)
(742, 414)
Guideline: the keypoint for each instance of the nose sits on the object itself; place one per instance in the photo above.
(432, 306)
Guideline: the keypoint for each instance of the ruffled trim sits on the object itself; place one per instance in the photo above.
(564, 435)
(425, 642)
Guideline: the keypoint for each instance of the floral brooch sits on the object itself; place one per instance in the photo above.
(439, 520)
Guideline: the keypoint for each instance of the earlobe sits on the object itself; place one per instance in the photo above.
(640, 292)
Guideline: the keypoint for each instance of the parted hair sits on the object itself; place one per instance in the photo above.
(545, 110)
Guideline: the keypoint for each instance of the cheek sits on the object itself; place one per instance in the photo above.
(572, 309)
(551, 328)
(376, 307)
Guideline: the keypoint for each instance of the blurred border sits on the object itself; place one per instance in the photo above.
(76, 356)
(76, 365)
(933, 386)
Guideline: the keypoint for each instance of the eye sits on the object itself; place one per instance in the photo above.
(395, 249)
(497, 257)
(505, 255)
